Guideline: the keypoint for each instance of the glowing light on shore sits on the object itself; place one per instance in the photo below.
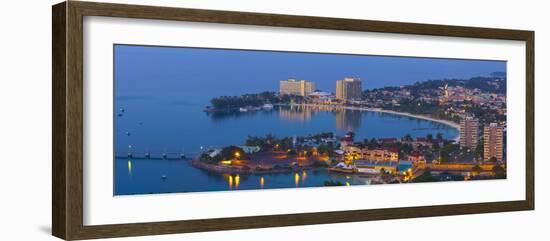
(262, 181)
(296, 179)
(347, 184)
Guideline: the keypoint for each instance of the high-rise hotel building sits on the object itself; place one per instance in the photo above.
(296, 87)
(492, 142)
(468, 132)
(349, 88)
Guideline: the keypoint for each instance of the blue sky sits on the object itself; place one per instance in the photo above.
(147, 71)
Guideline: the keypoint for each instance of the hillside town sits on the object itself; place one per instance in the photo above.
(476, 107)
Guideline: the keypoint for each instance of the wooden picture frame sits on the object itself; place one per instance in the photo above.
(67, 124)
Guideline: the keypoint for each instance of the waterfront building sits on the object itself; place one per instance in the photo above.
(379, 154)
(417, 158)
(355, 151)
(493, 142)
(345, 142)
(343, 167)
(213, 152)
(468, 132)
(375, 167)
(296, 87)
(250, 149)
(320, 97)
(349, 88)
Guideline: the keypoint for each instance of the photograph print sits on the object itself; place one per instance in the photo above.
(192, 119)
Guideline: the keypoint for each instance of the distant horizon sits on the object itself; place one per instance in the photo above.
(146, 71)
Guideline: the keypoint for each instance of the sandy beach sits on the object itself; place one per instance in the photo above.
(445, 122)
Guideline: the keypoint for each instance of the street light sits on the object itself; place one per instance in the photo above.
(237, 155)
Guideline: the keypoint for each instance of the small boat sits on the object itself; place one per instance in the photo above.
(343, 168)
(209, 109)
(267, 106)
(163, 176)
(241, 109)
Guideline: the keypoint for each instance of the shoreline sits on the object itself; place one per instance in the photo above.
(448, 123)
(444, 122)
(239, 170)
(423, 117)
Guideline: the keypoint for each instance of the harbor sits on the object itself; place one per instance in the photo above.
(194, 129)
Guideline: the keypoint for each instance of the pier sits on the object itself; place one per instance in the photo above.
(156, 155)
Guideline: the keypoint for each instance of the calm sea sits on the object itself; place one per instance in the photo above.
(151, 125)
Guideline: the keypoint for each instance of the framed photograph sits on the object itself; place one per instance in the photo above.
(170, 120)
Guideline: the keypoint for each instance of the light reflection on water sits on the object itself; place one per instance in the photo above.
(262, 182)
(157, 130)
(169, 176)
(230, 181)
(165, 133)
(233, 181)
(130, 167)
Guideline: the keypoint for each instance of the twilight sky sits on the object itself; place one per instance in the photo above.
(143, 71)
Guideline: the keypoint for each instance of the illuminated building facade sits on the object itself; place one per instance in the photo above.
(296, 87)
(493, 142)
(468, 132)
(349, 89)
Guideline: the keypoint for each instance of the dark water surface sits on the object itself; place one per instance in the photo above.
(149, 125)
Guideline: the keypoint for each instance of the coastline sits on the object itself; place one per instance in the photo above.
(417, 116)
(240, 170)
(445, 122)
